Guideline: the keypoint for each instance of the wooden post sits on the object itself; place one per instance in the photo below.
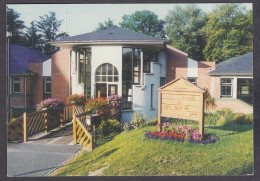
(73, 110)
(98, 94)
(46, 122)
(62, 119)
(201, 124)
(160, 110)
(25, 136)
(74, 129)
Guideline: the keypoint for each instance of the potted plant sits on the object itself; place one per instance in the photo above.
(115, 102)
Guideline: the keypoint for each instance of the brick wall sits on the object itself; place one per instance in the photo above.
(177, 63)
(36, 83)
(60, 74)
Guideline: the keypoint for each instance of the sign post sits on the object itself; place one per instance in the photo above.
(181, 99)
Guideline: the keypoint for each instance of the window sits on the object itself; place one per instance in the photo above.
(162, 81)
(245, 90)
(16, 84)
(193, 80)
(226, 87)
(47, 85)
(106, 73)
(152, 90)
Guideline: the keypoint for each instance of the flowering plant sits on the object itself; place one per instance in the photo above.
(115, 101)
(77, 99)
(54, 106)
(101, 105)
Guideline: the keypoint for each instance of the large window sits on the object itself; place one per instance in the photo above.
(226, 87)
(106, 73)
(245, 90)
(83, 62)
(47, 84)
(16, 85)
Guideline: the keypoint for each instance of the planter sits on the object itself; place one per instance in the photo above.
(53, 120)
(115, 113)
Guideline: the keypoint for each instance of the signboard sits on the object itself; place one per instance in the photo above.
(181, 99)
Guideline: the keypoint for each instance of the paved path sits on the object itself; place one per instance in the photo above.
(41, 154)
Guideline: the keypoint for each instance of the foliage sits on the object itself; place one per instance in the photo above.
(210, 103)
(48, 26)
(54, 106)
(126, 126)
(184, 27)
(152, 122)
(131, 154)
(115, 101)
(32, 37)
(240, 118)
(101, 105)
(144, 21)
(138, 121)
(228, 32)
(15, 25)
(77, 99)
(225, 117)
(178, 121)
(107, 24)
(108, 127)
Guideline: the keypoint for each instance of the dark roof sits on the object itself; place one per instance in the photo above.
(110, 34)
(241, 65)
(20, 57)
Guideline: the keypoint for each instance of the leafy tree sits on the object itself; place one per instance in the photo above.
(144, 21)
(16, 25)
(32, 37)
(105, 25)
(48, 26)
(228, 32)
(184, 28)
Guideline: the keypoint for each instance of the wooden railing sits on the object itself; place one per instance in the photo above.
(37, 122)
(15, 130)
(81, 134)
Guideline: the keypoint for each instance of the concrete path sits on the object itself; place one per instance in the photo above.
(42, 154)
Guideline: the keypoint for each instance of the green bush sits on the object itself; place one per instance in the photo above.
(126, 127)
(225, 117)
(138, 121)
(211, 119)
(240, 118)
(152, 122)
(108, 127)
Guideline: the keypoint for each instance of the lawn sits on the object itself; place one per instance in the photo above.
(130, 154)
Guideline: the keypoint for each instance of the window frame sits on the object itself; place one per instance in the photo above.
(16, 82)
(45, 83)
(106, 75)
(226, 84)
(195, 78)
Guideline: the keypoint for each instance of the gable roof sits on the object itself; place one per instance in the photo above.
(110, 34)
(181, 84)
(241, 65)
(21, 56)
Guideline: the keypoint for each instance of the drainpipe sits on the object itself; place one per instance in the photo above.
(142, 69)
(70, 69)
(25, 92)
(166, 62)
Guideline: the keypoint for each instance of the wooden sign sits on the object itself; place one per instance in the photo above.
(181, 99)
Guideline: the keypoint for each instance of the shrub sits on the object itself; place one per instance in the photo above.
(101, 105)
(77, 99)
(126, 127)
(210, 103)
(138, 121)
(108, 127)
(54, 106)
(152, 122)
(241, 118)
(211, 118)
(225, 117)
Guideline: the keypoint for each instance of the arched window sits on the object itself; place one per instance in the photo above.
(106, 73)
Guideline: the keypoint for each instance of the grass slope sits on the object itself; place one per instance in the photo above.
(130, 153)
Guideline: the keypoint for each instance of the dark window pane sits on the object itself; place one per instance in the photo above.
(110, 69)
(137, 53)
(104, 78)
(16, 79)
(226, 90)
(116, 79)
(109, 78)
(98, 78)
(146, 68)
(127, 53)
(115, 71)
(98, 72)
(226, 80)
(16, 87)
(48, 88)
(104, 69)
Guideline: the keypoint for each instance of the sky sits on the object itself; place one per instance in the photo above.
(84, 18)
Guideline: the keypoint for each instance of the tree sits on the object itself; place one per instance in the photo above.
(144, 21)
(105, 25)
(32, 37)
(184, 28)
(228, 32)
(16, 25)
(48, 26)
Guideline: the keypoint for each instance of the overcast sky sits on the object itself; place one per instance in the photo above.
(84, 18)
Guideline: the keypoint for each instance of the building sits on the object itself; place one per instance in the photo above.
(127, 63)
(30, 77)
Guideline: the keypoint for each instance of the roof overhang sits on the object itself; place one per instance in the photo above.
(230, 74)
(73, 44)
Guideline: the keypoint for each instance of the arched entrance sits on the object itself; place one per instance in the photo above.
(106, 80)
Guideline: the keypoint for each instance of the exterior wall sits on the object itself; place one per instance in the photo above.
(204, 80)
(192, 68)
(60, 71)
(234, 104)
(17, 99)
(177, 63)
(37, 83)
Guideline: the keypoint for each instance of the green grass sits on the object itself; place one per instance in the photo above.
(130, 154)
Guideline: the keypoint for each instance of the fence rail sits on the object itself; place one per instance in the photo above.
(15, 130)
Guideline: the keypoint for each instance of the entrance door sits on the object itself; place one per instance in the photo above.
(101, 90)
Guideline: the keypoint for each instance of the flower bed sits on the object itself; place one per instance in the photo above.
(77, 99)
(54, 106)
(181, 134)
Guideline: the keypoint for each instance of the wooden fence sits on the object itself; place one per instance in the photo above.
(36, 122)
(81, 133)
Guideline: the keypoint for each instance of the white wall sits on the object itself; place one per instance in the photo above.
(46, 68)
(192, 68)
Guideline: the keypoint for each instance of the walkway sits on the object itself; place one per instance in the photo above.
(41, 154)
